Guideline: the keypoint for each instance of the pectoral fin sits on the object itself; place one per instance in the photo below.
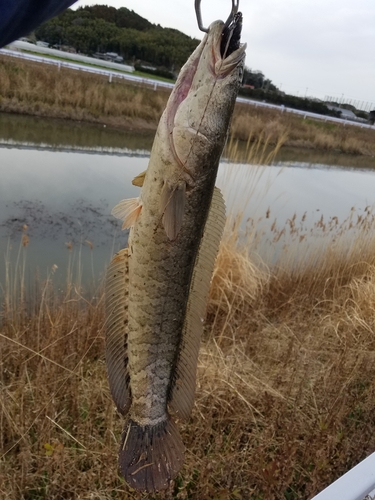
(128, 211)
(173, 206)
(116, 330)
(183, 390)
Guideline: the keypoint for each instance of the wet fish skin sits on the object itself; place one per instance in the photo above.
(168, 224)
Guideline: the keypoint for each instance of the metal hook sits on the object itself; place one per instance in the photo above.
(235, 5)
(199, 16)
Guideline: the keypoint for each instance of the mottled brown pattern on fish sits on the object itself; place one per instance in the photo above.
(160, 273)
(165, 244)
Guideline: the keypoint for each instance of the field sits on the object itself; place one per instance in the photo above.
(40, 90)
(286, 393)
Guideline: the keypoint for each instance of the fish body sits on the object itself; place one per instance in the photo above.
(157, 288)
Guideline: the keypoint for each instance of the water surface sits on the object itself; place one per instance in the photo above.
(59, 182)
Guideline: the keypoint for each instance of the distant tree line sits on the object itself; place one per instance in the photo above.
(256, 79)
(256, 86)
(100, 28)
(289, 101)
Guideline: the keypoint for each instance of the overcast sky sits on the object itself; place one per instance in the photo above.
(313, 47)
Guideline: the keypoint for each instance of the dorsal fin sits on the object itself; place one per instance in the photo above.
(128, 211)
(173, 198)
(116, 330)
(183, 389)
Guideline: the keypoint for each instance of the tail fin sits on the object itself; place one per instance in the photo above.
(151, 456)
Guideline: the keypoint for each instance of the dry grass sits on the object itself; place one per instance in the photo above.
(41, 90)
(306, 133)
(286, 392)
(47, 91)
(297, 355)
(285, 397)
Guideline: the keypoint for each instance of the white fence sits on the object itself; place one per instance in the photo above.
(110, 73)
(354, 485)
(157, 83)
(61, 54)
(306, 114)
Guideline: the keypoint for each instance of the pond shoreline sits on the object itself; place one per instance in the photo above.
(26, 131)
(142, 127)
(38, 90)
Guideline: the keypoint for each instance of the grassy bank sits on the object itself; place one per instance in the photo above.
(302, 133)
(285, 398)
(41, 90)
(286, 394)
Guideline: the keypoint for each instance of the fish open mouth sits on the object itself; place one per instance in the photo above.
(223, 52)
(231, 36)
(229, 52)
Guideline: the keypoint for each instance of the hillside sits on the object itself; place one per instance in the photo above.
(105, 29)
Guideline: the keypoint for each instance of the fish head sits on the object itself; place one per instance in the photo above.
(222, 58)
(205, 94)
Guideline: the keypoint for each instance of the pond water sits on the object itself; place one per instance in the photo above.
(59, 182)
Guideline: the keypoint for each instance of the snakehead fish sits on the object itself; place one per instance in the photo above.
(157, 288)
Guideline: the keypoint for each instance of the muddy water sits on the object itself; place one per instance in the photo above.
(42, 133)
(60, 180)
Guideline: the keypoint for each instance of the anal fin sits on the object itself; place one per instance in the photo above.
(183, 390)
(116, 330)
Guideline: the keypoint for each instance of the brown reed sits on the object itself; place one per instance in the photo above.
(285, 394)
